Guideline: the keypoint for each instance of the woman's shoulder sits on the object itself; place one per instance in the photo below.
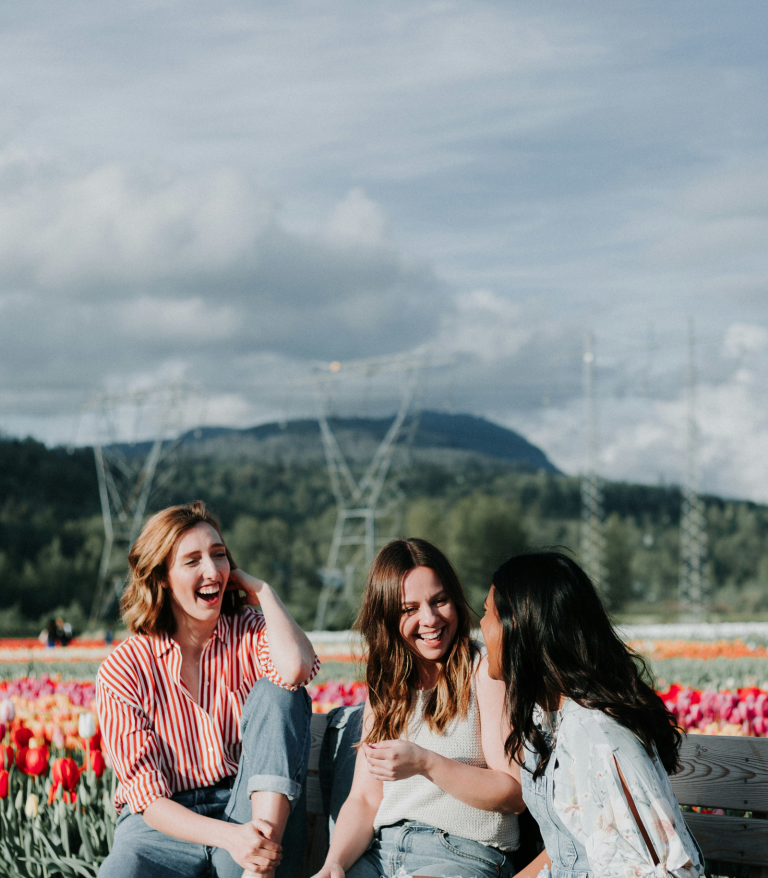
(130, 656)
(586, 727)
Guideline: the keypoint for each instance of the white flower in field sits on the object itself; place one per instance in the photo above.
(7, 711)
(86, 725)
(32, 806)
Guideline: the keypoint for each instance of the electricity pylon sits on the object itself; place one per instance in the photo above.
(136, 435)
(694, 586)
(592, 538)
(360, 503)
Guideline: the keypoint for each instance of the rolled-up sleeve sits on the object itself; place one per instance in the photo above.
(133, 747)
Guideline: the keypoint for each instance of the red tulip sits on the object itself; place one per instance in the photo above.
(36, 762)
(21, 736)
(21, 759)
(97, 762)
(2, 731)
(3, 784)
(65, 773)
(7, 755)
(95, 741)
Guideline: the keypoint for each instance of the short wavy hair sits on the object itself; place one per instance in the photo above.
(145, 605)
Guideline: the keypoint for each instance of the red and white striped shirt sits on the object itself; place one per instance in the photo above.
(160, 740)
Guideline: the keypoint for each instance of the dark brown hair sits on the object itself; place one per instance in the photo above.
(145, 604)
(391, 666)
(557, 640)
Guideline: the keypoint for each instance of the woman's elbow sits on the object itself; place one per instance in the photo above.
(297, 672)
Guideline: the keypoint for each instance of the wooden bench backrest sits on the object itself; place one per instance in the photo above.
(718, 772)
(729, 773)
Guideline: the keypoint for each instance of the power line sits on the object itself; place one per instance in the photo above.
(693, 532)
(592, 538)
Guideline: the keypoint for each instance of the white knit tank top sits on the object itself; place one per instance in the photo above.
(418, 799)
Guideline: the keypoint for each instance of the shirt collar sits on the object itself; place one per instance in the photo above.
(162, 643)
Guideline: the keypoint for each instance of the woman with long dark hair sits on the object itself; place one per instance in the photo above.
(594, 741)
(433, 791)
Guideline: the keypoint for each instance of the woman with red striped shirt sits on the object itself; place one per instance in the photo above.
(202, 713)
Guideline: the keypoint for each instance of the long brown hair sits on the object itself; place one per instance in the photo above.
(391, 665)
(145, 604)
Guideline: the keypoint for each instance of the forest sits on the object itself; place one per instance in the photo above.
(278, 516)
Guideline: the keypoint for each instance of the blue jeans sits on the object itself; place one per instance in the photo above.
(424, 850)
(276, 739)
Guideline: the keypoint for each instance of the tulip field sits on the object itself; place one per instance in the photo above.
(57, 785)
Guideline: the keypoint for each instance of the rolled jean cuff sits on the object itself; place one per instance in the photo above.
(274, 783)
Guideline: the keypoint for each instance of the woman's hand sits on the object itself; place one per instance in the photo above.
(330, 870)
(239, 580)
(251, 847)
(396, 760)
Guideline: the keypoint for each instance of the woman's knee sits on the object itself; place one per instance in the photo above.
(276, 720)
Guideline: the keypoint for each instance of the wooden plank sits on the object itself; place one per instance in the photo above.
(731, 839)
(314, 797)
(723, 772)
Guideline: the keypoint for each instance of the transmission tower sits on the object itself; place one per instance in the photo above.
(360, 503)
(693, 529)
(592, 538)
(136, 436)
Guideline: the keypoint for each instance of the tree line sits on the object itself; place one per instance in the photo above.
(278, 519)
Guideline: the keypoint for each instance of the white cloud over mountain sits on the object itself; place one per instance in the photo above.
(229, 194)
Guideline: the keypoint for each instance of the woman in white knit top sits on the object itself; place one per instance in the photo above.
(432, 790)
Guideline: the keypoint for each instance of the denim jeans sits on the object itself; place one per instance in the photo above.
(424, 850)
(276, 740)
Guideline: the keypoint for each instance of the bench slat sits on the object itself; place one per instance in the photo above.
(316, 729)
(723, 772)
(731, 839)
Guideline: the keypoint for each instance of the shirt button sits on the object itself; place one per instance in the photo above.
(210, 749)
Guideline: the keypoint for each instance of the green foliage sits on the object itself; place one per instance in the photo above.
(278, 518)
(61, 839)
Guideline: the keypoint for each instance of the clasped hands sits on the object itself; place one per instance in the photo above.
(251, 847)
(396, 760)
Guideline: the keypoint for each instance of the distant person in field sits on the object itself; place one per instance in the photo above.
(202, 712)
(433, 792)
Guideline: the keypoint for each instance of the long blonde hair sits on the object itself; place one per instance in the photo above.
(145, 604)
(391, 666)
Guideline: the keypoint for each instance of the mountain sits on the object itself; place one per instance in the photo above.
(436, 437)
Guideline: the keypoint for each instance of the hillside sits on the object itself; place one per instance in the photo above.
(479, 491)
(451, 439)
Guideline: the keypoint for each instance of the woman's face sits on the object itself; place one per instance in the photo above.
(198, 570)
(492, 631)
(428, 617)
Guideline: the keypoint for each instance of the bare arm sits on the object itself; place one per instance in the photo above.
(249, 844)
(496, 788)
(289, 647)
(354, 828)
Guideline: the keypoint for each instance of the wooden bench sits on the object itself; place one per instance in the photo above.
(729, 773)
(718, 772)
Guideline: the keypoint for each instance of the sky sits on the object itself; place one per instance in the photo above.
(231, 196)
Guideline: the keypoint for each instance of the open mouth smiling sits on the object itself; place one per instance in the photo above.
(434, 637)
(209, 594)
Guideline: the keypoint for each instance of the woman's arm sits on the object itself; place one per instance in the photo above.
(496, 788)
(354, 827)
(289, 647)
(249, 844)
